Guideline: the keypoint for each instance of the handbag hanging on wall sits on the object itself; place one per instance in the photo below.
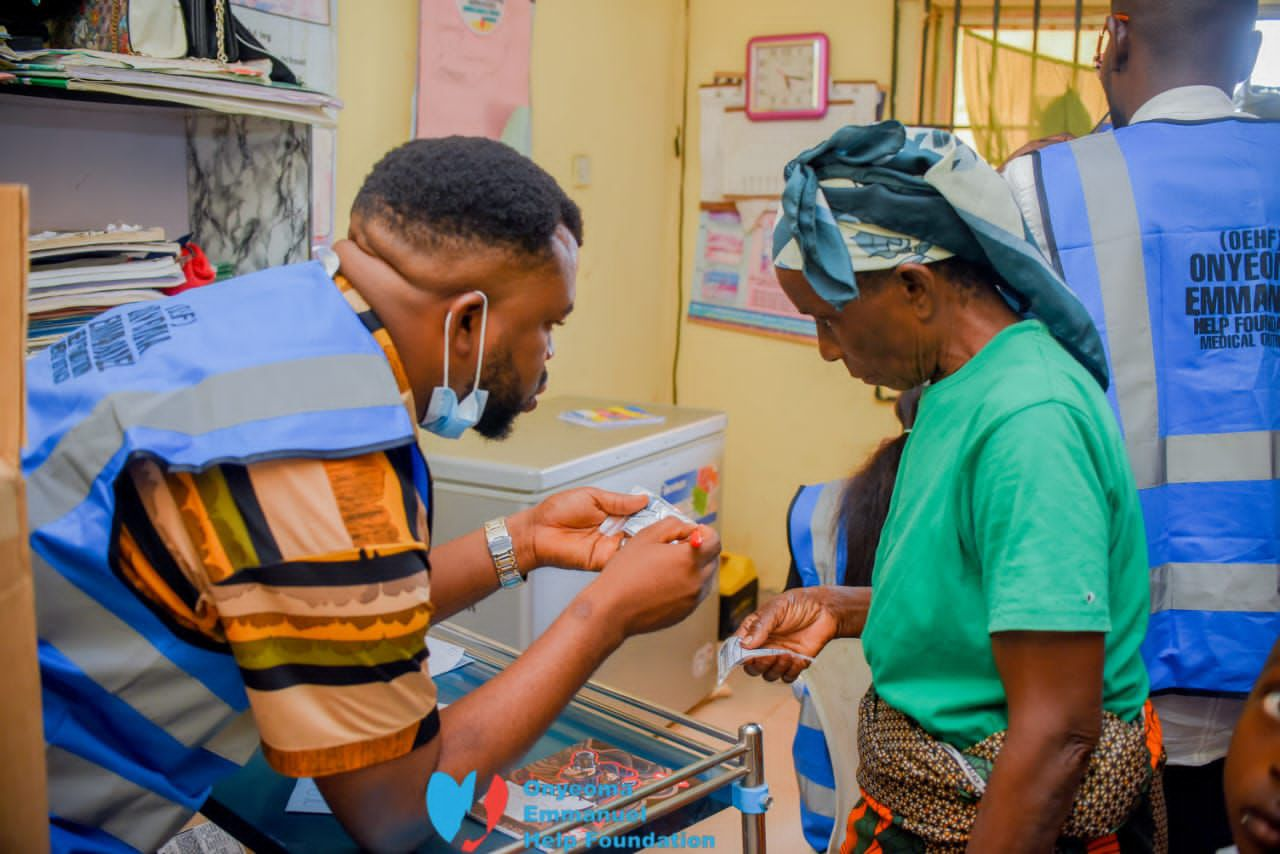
(210, 31)
(204, 29)
(148, 27)
(213, 32)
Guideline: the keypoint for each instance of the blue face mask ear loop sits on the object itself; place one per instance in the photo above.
(484, 322)
(448, 319)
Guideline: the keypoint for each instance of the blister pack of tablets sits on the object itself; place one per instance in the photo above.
(655, 511)
(732, 654)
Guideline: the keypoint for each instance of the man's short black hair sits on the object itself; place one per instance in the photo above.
(1199, 33)
(467, 189)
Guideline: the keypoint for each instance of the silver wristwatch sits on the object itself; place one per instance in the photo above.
(503, 552)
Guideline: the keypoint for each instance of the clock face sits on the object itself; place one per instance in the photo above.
(787, 77)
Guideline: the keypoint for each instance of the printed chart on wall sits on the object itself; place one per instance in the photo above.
(473, 70)
(734, 285)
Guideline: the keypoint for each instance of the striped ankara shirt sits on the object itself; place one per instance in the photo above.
(314, 573)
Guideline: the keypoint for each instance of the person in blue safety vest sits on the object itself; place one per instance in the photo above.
(230, 516)
(1168, 229)
(833, 531)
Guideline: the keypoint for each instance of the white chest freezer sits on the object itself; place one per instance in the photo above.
(681, 459)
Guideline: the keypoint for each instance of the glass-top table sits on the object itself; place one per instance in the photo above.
(723, 770)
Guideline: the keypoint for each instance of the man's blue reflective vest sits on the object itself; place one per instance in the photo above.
(139, 722)
(1169, 233)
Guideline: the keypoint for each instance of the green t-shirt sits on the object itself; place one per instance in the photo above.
(1014, 510)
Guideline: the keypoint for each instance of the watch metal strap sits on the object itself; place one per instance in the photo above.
(502, 550)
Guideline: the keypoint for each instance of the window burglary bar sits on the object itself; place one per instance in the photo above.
(955, 57)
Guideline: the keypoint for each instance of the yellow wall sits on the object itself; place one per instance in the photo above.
(607, 82)
(792, 418)
(377, 67)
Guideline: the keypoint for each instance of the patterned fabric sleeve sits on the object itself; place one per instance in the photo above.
(314, 574)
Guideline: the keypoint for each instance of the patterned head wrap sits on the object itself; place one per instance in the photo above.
(875, 196)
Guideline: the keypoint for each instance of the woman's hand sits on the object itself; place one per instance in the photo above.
(803, 620)
(564, 530)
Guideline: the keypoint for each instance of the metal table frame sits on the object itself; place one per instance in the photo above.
(712, 762)
(740, 763)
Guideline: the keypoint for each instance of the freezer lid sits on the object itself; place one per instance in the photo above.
(545, 453)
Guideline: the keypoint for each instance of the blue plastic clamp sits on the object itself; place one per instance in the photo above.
(751, 800)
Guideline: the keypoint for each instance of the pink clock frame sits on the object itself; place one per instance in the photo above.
(824, 75)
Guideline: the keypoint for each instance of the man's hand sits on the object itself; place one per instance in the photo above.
(564, 530)
(803, 620)
(654, 582)
(659, 577)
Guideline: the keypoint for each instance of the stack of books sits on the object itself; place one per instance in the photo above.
(240, 87)
(77, 275)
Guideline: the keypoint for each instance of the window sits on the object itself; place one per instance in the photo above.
(1012, 87)
(1267, 71)
(1005, 72)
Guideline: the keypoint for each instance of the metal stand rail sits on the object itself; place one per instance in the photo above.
(741, 764)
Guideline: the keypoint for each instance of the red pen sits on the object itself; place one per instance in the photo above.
(695, 539)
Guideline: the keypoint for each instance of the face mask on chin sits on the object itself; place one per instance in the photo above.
(446, 415)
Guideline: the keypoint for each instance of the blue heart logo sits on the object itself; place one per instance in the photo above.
(447, 802)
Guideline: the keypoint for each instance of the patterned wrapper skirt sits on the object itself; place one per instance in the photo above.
(920, 795)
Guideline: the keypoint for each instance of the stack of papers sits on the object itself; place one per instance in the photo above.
(77, 275)
(243, 88)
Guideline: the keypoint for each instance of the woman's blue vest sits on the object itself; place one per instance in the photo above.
(818, 554)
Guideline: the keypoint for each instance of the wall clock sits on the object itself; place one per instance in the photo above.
(788, 77)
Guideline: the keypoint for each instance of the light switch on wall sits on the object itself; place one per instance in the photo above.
(582, 170)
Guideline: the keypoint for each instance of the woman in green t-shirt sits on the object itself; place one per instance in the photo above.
(1010, 593)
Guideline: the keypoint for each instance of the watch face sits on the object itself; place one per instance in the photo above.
(787, 77)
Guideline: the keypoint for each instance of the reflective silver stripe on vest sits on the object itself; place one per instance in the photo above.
(90, 795)
(1223, 457)
(1122, 277)
(324, 383)
(809, 713)
(825, 527)
(816, 797)
(124, 662)
(236, 741)
(1215, 587)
